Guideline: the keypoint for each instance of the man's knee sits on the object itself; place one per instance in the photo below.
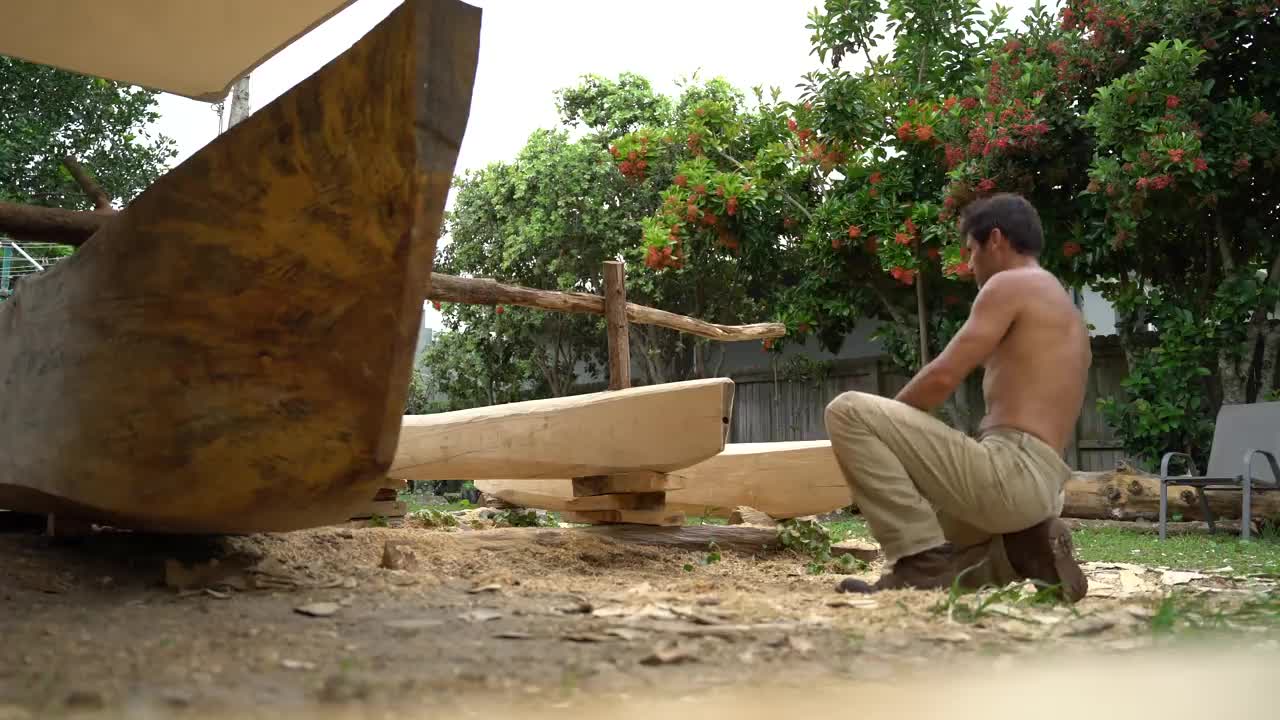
(846, 409)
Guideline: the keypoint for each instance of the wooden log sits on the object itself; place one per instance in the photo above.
(479, 291)
(616, 326)
(783, 480)
(1127, 495)
(661, 517)
(231, 353)
(698, 538)
(658, 428)
(54, 225)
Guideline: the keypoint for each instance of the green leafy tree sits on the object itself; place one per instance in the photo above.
(549, 219)
(50, 114)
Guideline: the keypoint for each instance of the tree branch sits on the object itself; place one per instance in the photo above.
(1224, 246)
(89, 184)
(786, 195)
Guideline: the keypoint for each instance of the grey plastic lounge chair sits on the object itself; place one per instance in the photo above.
(1242, 434)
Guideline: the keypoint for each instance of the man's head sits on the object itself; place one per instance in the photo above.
(1001, 232)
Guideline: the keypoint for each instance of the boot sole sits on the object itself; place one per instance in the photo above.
(1071, 578)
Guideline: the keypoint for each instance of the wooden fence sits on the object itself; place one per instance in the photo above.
(788, 404)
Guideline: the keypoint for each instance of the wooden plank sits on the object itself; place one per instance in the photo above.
(231, 352)
(664, 517)
(658, 428)
(616, 326)
(782, 480)
(632, 501)
(636, 482)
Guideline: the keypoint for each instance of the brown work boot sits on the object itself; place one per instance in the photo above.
(934, 569)
(1045, 553)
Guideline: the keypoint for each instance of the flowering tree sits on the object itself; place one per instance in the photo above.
(1143, 130)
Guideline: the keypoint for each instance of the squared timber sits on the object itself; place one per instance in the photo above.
(629, 501)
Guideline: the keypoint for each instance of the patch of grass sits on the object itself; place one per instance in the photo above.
(1187, 614)
(971, 606)
(1193, 551)
(854, 528)
(707, 519)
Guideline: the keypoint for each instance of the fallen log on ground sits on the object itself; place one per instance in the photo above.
(1124, 494)
(697, 538)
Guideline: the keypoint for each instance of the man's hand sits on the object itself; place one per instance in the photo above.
(993, 313)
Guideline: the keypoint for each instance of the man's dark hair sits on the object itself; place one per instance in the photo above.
(1015, 217)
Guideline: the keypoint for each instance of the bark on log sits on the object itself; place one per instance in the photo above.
(619, 330)
(1125, 495)
(56, 225)
(480, 291)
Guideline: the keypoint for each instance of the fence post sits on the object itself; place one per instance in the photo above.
(615, 315)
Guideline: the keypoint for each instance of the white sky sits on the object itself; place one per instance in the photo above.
(531, 48)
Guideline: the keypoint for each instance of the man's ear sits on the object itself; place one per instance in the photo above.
(996, 237)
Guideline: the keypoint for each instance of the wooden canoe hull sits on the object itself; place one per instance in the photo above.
(782, 480)
(231, 353)
(655, 428)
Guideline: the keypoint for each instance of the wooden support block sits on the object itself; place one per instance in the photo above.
(629, 501)
(383, 508)
(635, 482)
(664, 518)
(386, 494)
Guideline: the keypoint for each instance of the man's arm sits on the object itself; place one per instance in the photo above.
(989, 320)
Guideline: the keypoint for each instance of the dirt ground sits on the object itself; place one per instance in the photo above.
(542, 620)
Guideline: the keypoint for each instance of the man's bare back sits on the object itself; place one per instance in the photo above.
(1035, 379)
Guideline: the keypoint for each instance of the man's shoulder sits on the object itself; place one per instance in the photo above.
(1023, 283)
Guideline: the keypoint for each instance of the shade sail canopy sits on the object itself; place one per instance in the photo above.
(194, 48)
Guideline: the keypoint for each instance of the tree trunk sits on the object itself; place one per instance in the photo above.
(240, 108)
(1127, 495)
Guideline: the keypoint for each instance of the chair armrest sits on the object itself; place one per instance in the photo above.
(1249, 455)
(1164, 464)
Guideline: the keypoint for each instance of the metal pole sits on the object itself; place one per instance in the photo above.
(6, 268)
(24, 254)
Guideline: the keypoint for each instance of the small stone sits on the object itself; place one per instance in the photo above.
(344, 689)
(398, 556)
(320, 609)
(85, 700)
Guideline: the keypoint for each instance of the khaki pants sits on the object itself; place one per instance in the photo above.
(920, 483)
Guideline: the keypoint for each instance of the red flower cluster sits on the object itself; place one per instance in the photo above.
(636, 162)
(1071, 249)
(855, 231)
(657, 259)
(987, 185)
(903, 275)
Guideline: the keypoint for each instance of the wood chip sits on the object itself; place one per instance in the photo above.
(852, 602)
(485, 589)
(414, 624)
(320, 609)
(512, 635)
(627, 634)
(216, 594)
(587, 638)
(669, 654)
(481, 615)
(297, 665)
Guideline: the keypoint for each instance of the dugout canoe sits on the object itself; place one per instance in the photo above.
(231, 353)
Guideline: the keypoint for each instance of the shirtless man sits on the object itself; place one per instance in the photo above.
(942, 504)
